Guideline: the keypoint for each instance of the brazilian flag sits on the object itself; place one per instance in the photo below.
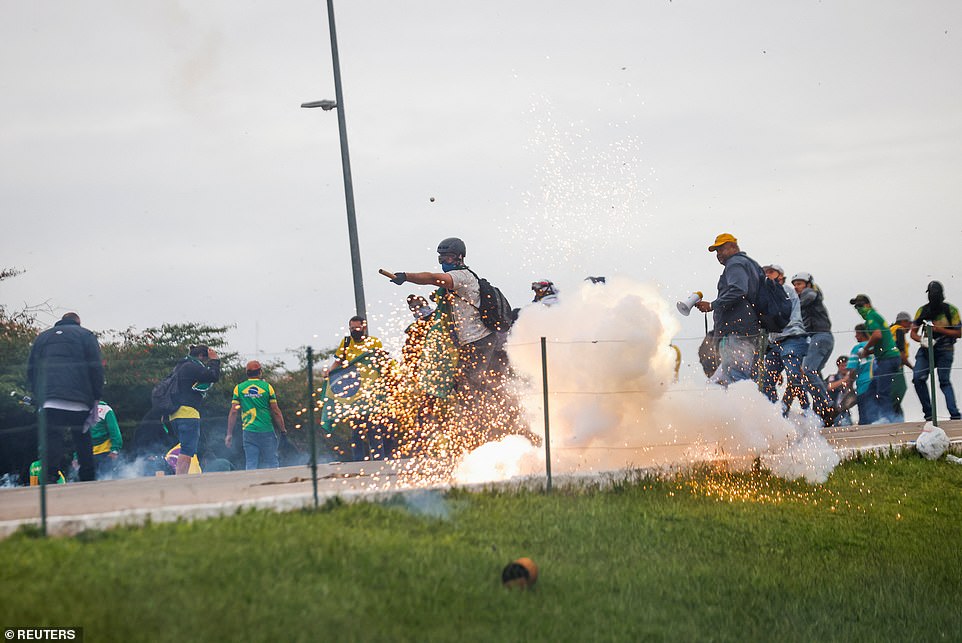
(439, 359)
(358, 389)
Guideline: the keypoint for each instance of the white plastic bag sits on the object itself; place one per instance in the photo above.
(932, 442)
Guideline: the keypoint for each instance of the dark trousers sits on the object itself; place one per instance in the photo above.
(58, 423)
(371, 439)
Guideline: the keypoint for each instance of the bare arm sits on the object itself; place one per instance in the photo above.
(231, 422)
(873, 339)
(278, 417)
(948, 331)
(441, 279)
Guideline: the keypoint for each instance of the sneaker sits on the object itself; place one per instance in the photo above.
(829, 415)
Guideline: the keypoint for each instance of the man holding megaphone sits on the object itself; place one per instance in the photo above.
(735, 318)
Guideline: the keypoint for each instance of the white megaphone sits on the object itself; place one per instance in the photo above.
(684, 306)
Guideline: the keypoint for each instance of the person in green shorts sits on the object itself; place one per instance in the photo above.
(255, 402)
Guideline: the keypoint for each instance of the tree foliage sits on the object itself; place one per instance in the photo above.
(135, 361)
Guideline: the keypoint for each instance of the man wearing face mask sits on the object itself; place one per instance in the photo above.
(356, 343)
(359, 363)
(736, 320)
(477, 344)
(486, 408)
(887, 359)
(946, 329)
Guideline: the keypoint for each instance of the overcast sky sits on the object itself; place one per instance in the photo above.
(155, 165)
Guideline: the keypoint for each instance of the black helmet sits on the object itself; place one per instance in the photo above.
(452, 246)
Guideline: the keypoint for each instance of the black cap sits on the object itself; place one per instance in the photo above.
(860, 300)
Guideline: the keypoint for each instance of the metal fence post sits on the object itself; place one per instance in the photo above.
(547, 426)
(929, 332)
(310, 420)
(44, 464)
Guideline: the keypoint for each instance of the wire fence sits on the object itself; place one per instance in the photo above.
(674, 389)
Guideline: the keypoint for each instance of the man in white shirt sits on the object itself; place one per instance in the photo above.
(482, 362)
(477, 344)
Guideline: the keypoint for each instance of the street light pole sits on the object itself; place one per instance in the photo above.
(327, 105)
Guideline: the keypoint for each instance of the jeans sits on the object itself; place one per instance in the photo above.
(370, 439)
(820, 347)
(866, 409)
(260, 450)
(920, 378)
(786, 355)
(188, 433)
(790, 353)
(880, 389)
(105, 466)
(736, 355)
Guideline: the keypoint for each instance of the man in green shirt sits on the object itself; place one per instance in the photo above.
(881, 345)
(255, 402)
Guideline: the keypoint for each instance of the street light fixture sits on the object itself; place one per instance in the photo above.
(328, 105)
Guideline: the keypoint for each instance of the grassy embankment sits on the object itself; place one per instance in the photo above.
(871, 555)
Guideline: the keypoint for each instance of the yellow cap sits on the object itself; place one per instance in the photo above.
(722, 239)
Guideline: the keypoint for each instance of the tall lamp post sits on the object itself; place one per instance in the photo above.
(328, 105)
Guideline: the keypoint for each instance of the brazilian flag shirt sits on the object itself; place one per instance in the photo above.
(254, 398)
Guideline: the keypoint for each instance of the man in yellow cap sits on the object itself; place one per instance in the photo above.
(256, 403)
(735, 318)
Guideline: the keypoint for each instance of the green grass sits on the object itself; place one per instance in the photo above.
(871, 555)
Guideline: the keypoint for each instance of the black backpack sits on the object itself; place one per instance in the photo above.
(773, 305)
(163, 397)
(496, 313)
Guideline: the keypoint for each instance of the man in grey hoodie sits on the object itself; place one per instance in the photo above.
(735, 318)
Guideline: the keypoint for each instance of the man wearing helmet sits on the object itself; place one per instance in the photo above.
(943, 317)
(544, 293)
(476, 341)
(481, 360)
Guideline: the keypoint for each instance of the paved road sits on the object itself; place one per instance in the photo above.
(96, 505)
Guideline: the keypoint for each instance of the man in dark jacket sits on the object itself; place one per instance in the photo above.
(736, 320)
(66, 375)
(195, 374)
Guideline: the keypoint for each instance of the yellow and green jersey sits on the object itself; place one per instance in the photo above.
(254, 397)
(941, 319)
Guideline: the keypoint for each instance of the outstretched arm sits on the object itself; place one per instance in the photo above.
(441, 279)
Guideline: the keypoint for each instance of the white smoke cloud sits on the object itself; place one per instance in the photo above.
(614, 404)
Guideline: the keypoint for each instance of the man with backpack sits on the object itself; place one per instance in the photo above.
(192, 378)
(736, 319)
(480, 317)
(478, 345)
